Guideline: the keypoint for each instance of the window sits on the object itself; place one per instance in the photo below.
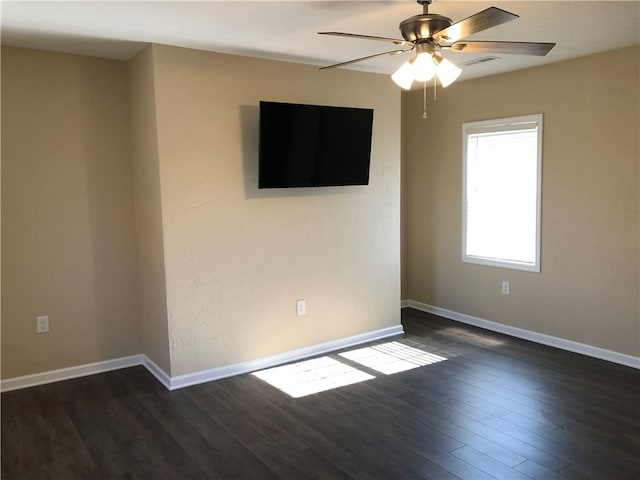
(501, 192)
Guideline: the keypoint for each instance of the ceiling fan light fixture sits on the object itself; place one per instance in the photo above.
(447, 71)
(404, 76)
(424, 67)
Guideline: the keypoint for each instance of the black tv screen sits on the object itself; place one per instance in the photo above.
(313, 145)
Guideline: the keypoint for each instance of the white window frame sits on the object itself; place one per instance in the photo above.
(503, 124)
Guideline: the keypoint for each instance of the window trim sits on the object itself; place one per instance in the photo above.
(500, 124)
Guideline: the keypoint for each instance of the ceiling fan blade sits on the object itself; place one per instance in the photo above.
(392, 52)
(516, 48)
(395, 41)
(491, 17)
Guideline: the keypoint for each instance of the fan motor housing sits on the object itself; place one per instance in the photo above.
(422, 27)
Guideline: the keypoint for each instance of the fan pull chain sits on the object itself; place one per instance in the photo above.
(424, 113)
(435, 95)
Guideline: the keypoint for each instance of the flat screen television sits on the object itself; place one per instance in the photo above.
(313, 145)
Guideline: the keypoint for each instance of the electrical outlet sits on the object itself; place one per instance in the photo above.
(301, 307)
(42, 324)
(505, 288)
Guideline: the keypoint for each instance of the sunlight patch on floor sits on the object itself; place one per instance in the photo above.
(325, 373)
(391, 357)
(312, 376)
(479, 338)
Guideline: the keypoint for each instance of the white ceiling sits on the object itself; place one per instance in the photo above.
(287, 30)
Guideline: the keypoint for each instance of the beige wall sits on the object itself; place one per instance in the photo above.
(68, 241)
(144, 152)
(588, 288)
(220, 263)
(237, 258)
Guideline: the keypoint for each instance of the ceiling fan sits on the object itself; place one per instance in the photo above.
(429, 33)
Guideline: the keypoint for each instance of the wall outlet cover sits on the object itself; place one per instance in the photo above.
(301, 307)
(42, 324)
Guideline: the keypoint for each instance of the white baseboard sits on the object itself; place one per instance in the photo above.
(181, 381)
(561, 343)
(68, 373)
(163, 377)
(204, 376)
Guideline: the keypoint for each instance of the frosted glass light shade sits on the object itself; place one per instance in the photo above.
(447, 72)
(424, 68)
(404, 75)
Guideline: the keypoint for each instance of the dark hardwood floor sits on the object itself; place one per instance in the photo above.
(497, 407)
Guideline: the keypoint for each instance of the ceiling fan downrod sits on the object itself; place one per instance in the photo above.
(425, 6)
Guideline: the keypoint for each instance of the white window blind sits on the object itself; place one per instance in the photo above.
(501, 207)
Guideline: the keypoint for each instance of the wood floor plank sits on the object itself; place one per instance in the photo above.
(201, 455)
(496, 408)
(252, 393)
(231, 457)
(278, 448)
(488, 464)
(118, 432)
(537, 472)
